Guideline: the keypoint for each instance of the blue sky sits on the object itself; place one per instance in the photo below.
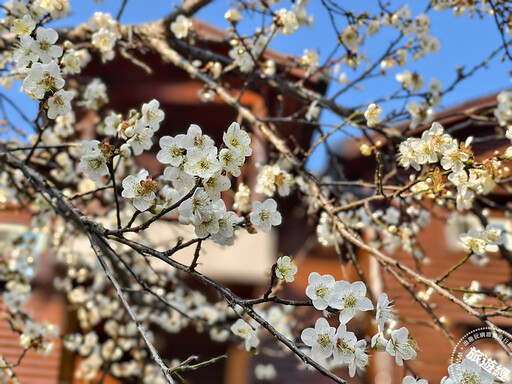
(464, 41)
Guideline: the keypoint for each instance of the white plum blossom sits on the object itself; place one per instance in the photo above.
(265, 215)
(43, 78)
(226, 232)
(265, 372)
(313, 111)
(344, 345)
(473, 241)
(104, 41)
(372, 115)
(379, 342)
(44, 46)
(93, 162)
(181, 27)
(231, 161)
(473, 298)
(272, 178)
(95, 95)
(182, 181)
(152, 116)
(359, 359)
(216, 184)
(102, 20)
(59, 104)
(320, 290)
(195, 138)
(412, 380)
(401, 346)
(384, 311)
(410, 80)
(172, 151)
(23, 55)
(142, 138)
(197, 209)
(320, 339)
(285, 269)
(350, 37)
(141, 189)
(233, 15)
(349, 298)
(245, 331)
(469, 372)
(237, 140)
(242, 198)
(202, 162)
(23, 26)
(287, 21)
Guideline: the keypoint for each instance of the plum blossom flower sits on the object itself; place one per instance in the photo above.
(288, 21)
(195, 138)
(141, 139)
(320, 339)
(469, 372)
(412, 380)
(272, 178)
(227, 223)
(202, 162)
(104, 41)
(320, 289)
(350, 37)
(197, 209)
(172, 151)
(265, 372)
(95, 95)
(473, 241)
(231, 161)
(44, 46)
(216, 184)
(401, 346)
(141, 189)
(23, 26)
(59, 104)
(23, 54)
(349, 298)
(359, 359)
(43, 78)
(384, 311)
(152, 116)
(93, 161)
(372, 115)
(344, 345)
(237, 140)
(285, 269)
(265, 215)
(181, 27)
(245, 331)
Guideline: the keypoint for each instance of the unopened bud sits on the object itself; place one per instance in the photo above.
(365, 150)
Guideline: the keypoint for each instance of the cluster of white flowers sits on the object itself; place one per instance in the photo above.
(272, 179)
(247, 59)
(37, 59)
(503, 112)
(104, 35)
(435, 146)
(476, 241)
(344, 348)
